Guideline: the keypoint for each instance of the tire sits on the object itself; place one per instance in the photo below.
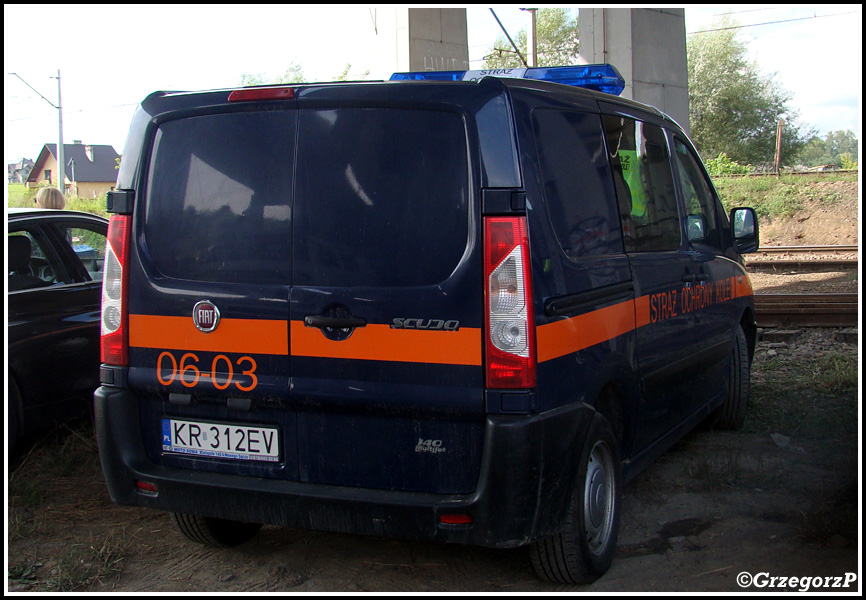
(13, 417)
(583, 550)
(732, 414)
(214, 532)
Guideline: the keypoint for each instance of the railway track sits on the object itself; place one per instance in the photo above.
(806, 310)
(815, 259)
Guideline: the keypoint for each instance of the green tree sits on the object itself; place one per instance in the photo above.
(733, 108)
(830, 150)
(344, 76)
(294, 74)
(814, 153)
(556, 32)
(842, 142)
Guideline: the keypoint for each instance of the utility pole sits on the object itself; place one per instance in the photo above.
(778, 160)
(531, 37)
(61, 175)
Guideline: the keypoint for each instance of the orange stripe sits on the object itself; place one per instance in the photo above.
(642, 311)
(742, 286)
(248, 336)
(570, 335)
(380, 342)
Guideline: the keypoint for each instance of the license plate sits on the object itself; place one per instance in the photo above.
(221, 440)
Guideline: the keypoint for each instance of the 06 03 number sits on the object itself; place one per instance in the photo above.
(221, 374)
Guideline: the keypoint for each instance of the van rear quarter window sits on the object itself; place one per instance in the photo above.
(219, 197)
(577, 183)
(382, 197)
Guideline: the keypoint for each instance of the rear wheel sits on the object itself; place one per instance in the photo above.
(732, 414)
(583, 551)
(214, 532)
(13, 416)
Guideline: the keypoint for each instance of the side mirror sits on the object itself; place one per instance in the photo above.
(744, 224)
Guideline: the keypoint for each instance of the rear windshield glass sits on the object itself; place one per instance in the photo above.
(381, 197)
(219, 198)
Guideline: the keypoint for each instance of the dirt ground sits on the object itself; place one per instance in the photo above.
(778, 499)
(829, 217)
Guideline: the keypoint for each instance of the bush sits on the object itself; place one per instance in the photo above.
(848, 161)
(725, 166)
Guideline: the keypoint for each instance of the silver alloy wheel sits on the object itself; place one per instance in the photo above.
(599, 497)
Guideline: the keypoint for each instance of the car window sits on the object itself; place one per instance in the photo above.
(218, 197)
(376, 192)
(644, 185)
(702, 217)
(33, 263)
(87, 241)
(576, 180)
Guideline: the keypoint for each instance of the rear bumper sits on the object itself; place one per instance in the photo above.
(524, 487)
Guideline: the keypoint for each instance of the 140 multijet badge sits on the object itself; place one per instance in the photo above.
(430, 324)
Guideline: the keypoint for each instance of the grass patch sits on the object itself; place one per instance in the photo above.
(86, 564)
(814, 397)
(36, 476)
(50, 491)
(17, 196)
(836, 374)
(778, 197)
(717, 470)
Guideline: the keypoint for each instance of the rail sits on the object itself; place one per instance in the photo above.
(806, 310)
(804, 258)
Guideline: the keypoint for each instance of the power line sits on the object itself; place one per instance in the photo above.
(737, 12)
(81, 110)
(772, 22)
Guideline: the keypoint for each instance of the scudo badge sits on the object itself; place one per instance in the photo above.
(206, 316)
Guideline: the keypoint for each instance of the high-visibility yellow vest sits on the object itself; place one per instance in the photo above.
(630, 163)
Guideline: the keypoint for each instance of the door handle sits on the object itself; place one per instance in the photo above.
(333, 322)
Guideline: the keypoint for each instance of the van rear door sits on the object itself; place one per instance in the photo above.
(386, 303)
(209, 288)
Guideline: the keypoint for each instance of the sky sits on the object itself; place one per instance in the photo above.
(111, 56)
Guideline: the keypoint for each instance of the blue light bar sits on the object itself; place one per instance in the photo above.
(429, 76)
(602, 77)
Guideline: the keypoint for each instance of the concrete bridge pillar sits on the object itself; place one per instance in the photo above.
(423, 39)
(648, 46)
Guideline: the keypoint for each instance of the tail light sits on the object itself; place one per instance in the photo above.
(510, 320)
(115, 329)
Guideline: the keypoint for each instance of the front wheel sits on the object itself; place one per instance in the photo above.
(583, 551)
(214, 532)
(732, 414)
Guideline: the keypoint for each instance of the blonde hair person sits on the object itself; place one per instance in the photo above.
(50, 197)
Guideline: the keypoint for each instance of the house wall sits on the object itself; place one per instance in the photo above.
(83, 189)
(93, 189)
(50, 165)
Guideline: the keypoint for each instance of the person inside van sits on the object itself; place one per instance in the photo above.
(50, 197)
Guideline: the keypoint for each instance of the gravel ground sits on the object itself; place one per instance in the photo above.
(804, 283)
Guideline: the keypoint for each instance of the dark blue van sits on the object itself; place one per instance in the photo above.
(449, 307)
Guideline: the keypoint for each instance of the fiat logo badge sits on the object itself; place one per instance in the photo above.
(206, 316)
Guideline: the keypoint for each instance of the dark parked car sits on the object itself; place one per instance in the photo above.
(54, 291)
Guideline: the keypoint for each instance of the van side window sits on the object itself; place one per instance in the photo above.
(644, 184)
(576, 182)
(702, 216)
